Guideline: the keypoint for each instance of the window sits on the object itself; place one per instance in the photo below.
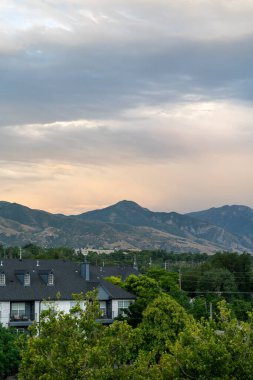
(18, 310)
(122, 306)
(27, 279)
(102, 306)
(2, 279)
(50, 279)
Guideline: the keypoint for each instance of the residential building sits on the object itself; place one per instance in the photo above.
(26, 287)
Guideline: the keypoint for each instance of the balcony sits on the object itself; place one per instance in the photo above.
(22, 320)
(106, 318)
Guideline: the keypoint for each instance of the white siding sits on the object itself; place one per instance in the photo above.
(58, 305)
(114, 309)
(37, 310)
(4, 313)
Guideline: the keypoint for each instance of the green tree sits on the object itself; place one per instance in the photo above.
(146, 289)
(9, 352)
(75, 346)
(166, 280)
(115, 280)
(162, 321)
(220, 349)
(57, 346)
(217, 280)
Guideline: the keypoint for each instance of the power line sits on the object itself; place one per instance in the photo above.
(214, 292)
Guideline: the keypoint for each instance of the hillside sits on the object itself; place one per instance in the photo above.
(128, 225)
(238, 220)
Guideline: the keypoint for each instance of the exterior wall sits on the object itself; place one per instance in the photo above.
(4, 313)
(37, 310)
(114, 308)
(59, 305)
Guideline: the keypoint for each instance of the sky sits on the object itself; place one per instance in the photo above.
(145, 100)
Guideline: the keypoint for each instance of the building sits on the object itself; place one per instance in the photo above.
(26, 286)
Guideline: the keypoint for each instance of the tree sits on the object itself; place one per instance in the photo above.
(146, 289)
(220, 349)
(57, 346)
(217, 280)
(240, 265)
(9, 352)
(162, 321)
(75, 346)
(166, 280)
(115, 280)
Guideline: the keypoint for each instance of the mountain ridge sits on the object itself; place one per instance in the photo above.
(126, 224)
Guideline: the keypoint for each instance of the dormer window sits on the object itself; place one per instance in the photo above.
(2, 279)
(47, 276)
(50, 279)
(27, 279)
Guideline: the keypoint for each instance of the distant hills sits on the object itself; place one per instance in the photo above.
(128, 225)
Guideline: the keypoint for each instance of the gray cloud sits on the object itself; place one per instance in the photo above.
(66, 61)
(143, 136)
(99, 81)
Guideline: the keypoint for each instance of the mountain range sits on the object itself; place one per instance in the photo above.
(127, 225)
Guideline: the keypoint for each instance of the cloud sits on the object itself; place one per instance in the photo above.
(92, 21)
(146, 135)
(92, 91)
(101, 81)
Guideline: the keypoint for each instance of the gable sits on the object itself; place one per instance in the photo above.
(103, 294)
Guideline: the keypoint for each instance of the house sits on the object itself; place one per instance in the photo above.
(26, 286)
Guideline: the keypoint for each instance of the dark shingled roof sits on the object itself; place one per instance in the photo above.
(97, 272)
(67, 280)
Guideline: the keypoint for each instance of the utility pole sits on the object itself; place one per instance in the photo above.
(150, 261)
(180, 279)
(211, 311)
(135, 263)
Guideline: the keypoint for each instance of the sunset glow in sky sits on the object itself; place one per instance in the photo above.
(150, 101)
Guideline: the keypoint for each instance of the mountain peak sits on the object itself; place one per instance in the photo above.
(127, 204)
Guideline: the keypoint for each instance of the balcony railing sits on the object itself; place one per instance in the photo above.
(23, 318)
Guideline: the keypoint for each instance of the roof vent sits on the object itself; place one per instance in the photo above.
(1, 264)
(38, 263)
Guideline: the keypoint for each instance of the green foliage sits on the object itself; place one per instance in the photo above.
(146, 289)
(115, 280)
(162, 321)
(9, 352)
(217, 280)
(75, 346)
(167, 344)
(56, 348)
(240, 265)
(166, 280)
(211, 350)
